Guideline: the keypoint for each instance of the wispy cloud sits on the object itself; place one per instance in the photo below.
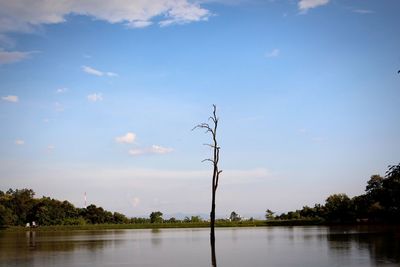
(139, 24)
(95, 97)
(154, 149)
(128, 138)
(61, 90)
(8, 57)
(305, 5)
(363, 11)
(96, 72)
(17, 16)
(10, 98)
(50, 148)
(19, 142)
(274, 53)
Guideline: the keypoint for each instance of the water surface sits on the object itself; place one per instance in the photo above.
(259, 246)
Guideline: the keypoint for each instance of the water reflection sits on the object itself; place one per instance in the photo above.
(213, 255)
(382, 244)
(260, 246)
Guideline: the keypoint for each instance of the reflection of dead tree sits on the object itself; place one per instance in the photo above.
(213, 256)
(212, 128)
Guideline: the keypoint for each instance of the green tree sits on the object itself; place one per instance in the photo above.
(6, 216)
(234, 217)
(119, 218)
(172, 220)
(339, 208)
(21, 203)
(391, 199)
(269, 214)
(195, 219)
(156, 217)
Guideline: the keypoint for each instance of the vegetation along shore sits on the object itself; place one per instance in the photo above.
(380, 204)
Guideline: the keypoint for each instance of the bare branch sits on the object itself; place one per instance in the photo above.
(213, 146)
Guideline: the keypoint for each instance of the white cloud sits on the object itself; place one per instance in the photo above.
(305, 5)
(363, 11)
(111, 74)
(61, 90)
(11, 98)
(92, 71)
(27, 15)
(160, 150)
(19, 142)
(154, 149)
(128, 138)
(50, 148)
(139, 24)
(96, 72)
(274, 53)
(95, 97)
(8, 57)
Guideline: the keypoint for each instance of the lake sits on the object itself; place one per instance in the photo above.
(259, 246)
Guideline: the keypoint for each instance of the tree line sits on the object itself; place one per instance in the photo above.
(379, 203)
(19, 207)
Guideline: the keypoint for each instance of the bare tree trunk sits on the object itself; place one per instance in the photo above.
(216, 172)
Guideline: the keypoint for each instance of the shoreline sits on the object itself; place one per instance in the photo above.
(53, 228)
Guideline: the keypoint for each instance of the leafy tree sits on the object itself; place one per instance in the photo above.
(20, 203)
(172, 220)
(119, 218)
(391, 187)
(338, 208)
(139, 220)
(269, 214)
(195, 219)
(156, 217)
(6, 216)
(234, 217)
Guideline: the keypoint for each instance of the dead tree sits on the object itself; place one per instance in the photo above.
(212, 128)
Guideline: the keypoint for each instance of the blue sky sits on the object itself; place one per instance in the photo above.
(101, 98)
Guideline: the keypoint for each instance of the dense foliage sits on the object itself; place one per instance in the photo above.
(380, 203)
(18, 207)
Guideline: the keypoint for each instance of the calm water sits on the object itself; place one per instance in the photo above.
(269, 246)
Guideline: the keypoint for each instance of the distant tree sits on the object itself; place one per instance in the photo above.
(234, 217)
(269, 214)
(139, 220)
(119, 218)
(172, 220)
(21, 202)
(361, 205)
(156, 217)
(391, 187)
(195, 219)
(339, 208)
(6, 216)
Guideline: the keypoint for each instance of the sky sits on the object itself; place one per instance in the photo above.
(101, 97)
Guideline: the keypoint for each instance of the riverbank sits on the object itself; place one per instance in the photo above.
(255, 223)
